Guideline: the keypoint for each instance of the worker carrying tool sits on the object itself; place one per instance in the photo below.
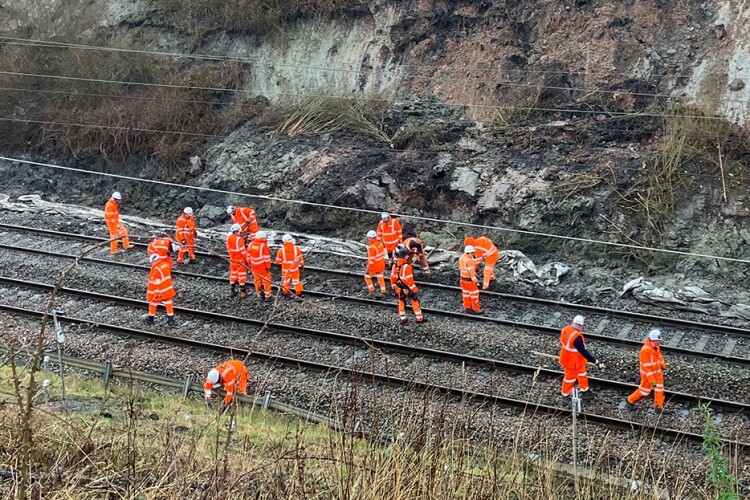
(259, 258)
(185, 235)
(246, 218)
(467, 265)
(389, 232)
(116, 228)
(402, 282)
(573, 358)
(416, 251)
(487, 251)
(237, 258)
(164, 247)
(652, 366)
(376, 257)
(292, 261)
(160, 290)
(232, 375)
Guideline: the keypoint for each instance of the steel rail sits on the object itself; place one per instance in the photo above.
(665, 320)
(374, 378)
(359, 341)
(540, 328)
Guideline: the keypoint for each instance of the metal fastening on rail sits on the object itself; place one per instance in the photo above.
(107, 373)
(266, 400)
(186, 386)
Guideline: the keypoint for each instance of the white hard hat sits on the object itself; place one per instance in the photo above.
(188, 211)
(116, 195)
(153, 258)
(260, 235)
(287, 238)
(654, 335)
(385, 215)
(578, 320)
(235, 228)
(230, 209)
(469, 249)
(372, 234)
(213, 376)
(175, 246)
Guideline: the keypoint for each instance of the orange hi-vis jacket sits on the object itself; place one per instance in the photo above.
(185, 229)
(231, 373)
(259, 256)
(247, 218)
(402, 276)
(111, 212)
(236, 248)
(407, 244)
(160, 246)
(467, 268)
(290, 257)
(652, 363)
(390, 232)
(376, 257)
(160, 282)
(484, 248)
(569, 355)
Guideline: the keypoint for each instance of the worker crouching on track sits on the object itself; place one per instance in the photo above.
(573, 359)
(185, 235)
(116, 228)
(416, 252)
(376, 257)
(652, 372)
(232, 375)
(292, 262)
(259, 258)
(237, 258)
(160, 289)
(164, 247)
(389, 232)
(467, 266)
(487, 251)
(402, 282)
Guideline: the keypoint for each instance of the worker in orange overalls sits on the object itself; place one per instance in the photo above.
(573, 359)
(402, 282)
(259, 258)
(652, 372)
(232, 374)
(116, 228)
(389, 232)
(237, 257)
(487, 251)
(467, 266)
(376, 257)
(185, 235)
(416, 251)
(292, 261)
(160, 290)
(164, 247)
(246, 218)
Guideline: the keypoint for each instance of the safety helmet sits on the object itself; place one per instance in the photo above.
(385, 215)
(213, 376)
(578, 320)
(235, 228)
(188, 211)
(153, 258)
(260, 235)
(469, 249)
(654, 335)
(401, 251)
(468, 241)
(287, 238)
(117, 196)
(230, 210)
(174, 246)
(372, 234)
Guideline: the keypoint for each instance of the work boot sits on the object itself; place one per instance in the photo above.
(149, 320)
(423, 320)
(631, 406)
(402, 321)
(586, 395)
(171, 320)
(232, 290)
(370, 294)
(243, 293)
(180, 261)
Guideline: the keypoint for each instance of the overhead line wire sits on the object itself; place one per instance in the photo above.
(375, 212)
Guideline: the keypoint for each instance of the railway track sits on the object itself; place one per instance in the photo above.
(685, 337)
(394, 381)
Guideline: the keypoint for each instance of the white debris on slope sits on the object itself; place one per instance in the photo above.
(525, 270)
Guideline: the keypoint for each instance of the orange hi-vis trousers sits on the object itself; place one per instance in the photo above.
(118, 230)
(577, 372)
(188, 248)
(262, 279)
(168, 304)
(401, 295)
(293, 279)
(371, 285)
(470, 294)
(237, 273)
(645, 389)
(489, 269)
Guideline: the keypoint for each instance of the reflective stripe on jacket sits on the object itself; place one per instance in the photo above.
(484, 247)
(185, 228)
(402, 275)
(290, 257)
(651, 361)
(160, 282)
(247, 218)
(112, 212)
(160, 246)
(467, 267)
(376, 256)
(229, 374)
(390, 232)
(236, 247)
(569, 355)
(259, 255)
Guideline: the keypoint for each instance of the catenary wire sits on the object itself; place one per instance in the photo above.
(375, 212)
(255, 59)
